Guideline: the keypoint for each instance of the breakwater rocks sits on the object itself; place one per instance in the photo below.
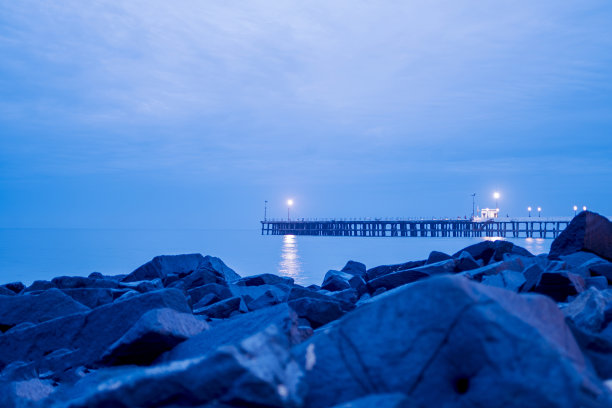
(489, 326)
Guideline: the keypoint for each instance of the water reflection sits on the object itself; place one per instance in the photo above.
(537, 245)
(290, 264)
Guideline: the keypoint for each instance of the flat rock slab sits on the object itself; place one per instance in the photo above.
(459, 343)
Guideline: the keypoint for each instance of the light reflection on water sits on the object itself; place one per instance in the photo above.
(290, 264)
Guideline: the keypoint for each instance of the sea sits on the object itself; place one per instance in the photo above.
(27, 255)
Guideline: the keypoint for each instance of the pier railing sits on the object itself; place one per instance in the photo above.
(532, 227)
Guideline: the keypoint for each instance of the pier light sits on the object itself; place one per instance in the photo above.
(289, 204)
(584, 208)
(575, 209)
(496, 197)
(529, 210)
(539, 211)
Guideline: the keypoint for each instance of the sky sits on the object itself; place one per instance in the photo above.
(190, 114)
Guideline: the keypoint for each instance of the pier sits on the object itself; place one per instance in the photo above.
(501, 228)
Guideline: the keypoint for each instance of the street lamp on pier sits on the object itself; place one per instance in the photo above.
(496, 197)
(529, 210)
(575, 210)
(289, 204)
(539, 211)
(584, 208)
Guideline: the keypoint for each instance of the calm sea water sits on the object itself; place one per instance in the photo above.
(30, 254)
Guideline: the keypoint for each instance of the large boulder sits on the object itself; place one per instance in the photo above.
(335, 281)
(588, 311)
(560, 285)
(354, 268)
(459, 344)
(156, 332)
(258, 371)
(264, 279)
(36, 308)
(76, 282)
(92, 297)
(403, 277)
(163, 265)
(214, 291)
(220, 310)
(493, 251)
(317, 308)
(89, 334)
(589, 232)
(437, 256)
(15, 287)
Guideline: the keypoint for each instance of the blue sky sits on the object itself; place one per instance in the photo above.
(192, 113)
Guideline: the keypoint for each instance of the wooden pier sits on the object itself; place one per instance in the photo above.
(531, 228)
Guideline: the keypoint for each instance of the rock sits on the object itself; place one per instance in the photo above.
(39, 285)
(513, 280)
(394, 280)
(15, 287)
(36, 308)
(75, 282)
(6, 292)
(251, 293)
(381, 270)
(599, 282)
(460, 344)
(493, 251)
(267, 299)
(396, 400)
(88, 333)
(91, 297)
(559, 285)
(589, 232)
(355, 268)
(602, 270)
(532, 276)
(220, 310)
(264, 279)
(235, 329)
(156, 332)
(478, 274)
(22, 394)
(588, 310)
(335, 281)
(317, 311)
(466, 262)
(298, 292)
(258, 371)
(161, 266)
(347, 295)
(219, 292)
(597, 347)
(577, 259)
(143, 286)
(436, 256)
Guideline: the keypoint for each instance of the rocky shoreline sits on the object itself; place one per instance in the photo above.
(489, 326)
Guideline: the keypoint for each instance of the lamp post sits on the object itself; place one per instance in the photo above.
(265, 209)
(575, 210)
(496, 197)
(584, 208)
(539, 211)
(529, 209)
(289, 204)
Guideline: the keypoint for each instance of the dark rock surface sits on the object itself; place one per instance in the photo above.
(589, 232)
(186, 330)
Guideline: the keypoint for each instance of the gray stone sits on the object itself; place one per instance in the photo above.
(354, 268)
(381, 270)
(465, 262)
(589, 232)
(91, 297)
(436, 256)
(560, 285)
(161, 266)
(219, 292)
(76, 282)
(493, 251)
(220, 310)
(335, 281)
(588, 310)
(15, 287)
(39, 285)
(143, 286)
(459, 344)
(264, 279)
(156, 332)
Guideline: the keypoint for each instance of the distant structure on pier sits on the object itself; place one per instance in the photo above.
(488, 213)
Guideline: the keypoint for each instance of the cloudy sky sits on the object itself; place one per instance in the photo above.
(192, 113)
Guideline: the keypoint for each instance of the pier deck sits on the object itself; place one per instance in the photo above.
(532, 228)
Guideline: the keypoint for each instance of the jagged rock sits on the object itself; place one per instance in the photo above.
(493, 251)
(465, 262)
(577, 259)
(259, 371)
(298, 292)
(91, 297)
(156, 332)
(218, 292)
(264, 279)
(251, 293)
(88, 333)
(597, 347)
(76, 282)
(602, 270)
(513, 280)
(15, 287)
(559, 285)
(588, 232)
(599, 282)
(36, 308)
(161, 266)
(515, 264)
(220, 310)
(267, 299)
(381, 270)
(588, 310)
(317, 311)
(459, 344)
(235, 329)
(395, 279)
(39, 286)
(335, 281)
(354, 268)
(436, 256)
(396, 400)
(348, 295)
